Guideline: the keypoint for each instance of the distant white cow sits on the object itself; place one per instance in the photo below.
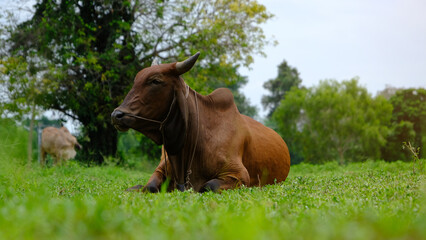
(59, 143)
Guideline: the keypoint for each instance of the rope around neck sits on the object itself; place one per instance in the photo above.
(189, 171)
(162, 123)
(161, 128)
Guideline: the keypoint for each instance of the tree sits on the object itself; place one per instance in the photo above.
(334, 121)
(21, 90)
(287, 78)
(399, 133)
(19, 93)
(408, 124)
(21, 82)
(388, 92)
(99, 46)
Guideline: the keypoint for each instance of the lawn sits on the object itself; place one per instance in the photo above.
(371, 200)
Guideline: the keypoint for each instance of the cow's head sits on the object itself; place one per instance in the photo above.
(157, 93)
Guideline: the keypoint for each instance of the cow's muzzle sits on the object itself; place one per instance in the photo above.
(117, 114)
(116, 120)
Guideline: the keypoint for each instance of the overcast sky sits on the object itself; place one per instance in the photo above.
(380, 41)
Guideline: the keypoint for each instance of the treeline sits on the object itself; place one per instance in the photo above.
(79, 58)
(342, 121)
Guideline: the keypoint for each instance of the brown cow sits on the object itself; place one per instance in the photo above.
(59, 143)
(207, 143)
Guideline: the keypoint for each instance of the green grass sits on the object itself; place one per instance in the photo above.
(372, 200)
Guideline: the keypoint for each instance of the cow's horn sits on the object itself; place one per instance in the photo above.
(155, 62)
(185, 66)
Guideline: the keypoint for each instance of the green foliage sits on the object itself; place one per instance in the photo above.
(13, 140)
(287, 78)
(333, 121)
(418, 164)
(19, 87)
(408, 124)
(224, 31)
(399, 132)
(93, 60)
(137, 151)
(372, 200)
(244, 106)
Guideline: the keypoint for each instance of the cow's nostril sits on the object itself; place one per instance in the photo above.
(117, 114)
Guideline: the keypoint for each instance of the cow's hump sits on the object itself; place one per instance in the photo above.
(222, 98)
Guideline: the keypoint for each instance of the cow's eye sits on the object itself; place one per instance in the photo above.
(155, 82)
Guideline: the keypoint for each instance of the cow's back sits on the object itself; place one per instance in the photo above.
(54, 142)
(266, 156)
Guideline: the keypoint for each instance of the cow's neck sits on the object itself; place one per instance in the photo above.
(174, 132)
(180, 139)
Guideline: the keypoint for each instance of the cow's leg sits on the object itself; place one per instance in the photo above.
(157, 178)
(56, 159)
(153, 185)
(216, 185)
(60, 157)
(154, 182)
(43, 157)
(227, 182)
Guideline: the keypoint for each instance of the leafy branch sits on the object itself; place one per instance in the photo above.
(415, 155)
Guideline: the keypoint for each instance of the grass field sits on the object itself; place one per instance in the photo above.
(371, 200)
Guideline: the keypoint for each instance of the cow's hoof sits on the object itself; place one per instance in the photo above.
(136, 188)
(210, 186)
(152, 189)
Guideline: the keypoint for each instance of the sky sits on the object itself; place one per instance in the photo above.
(383, 42)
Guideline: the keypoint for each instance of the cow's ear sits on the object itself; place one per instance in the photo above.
(185, 66)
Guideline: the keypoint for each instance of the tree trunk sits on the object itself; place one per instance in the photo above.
(341, 153)
(102, 143)
(418, 138)
(30, 134)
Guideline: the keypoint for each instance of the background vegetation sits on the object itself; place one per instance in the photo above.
(83, 72)
(341, 121)
(85, 69)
